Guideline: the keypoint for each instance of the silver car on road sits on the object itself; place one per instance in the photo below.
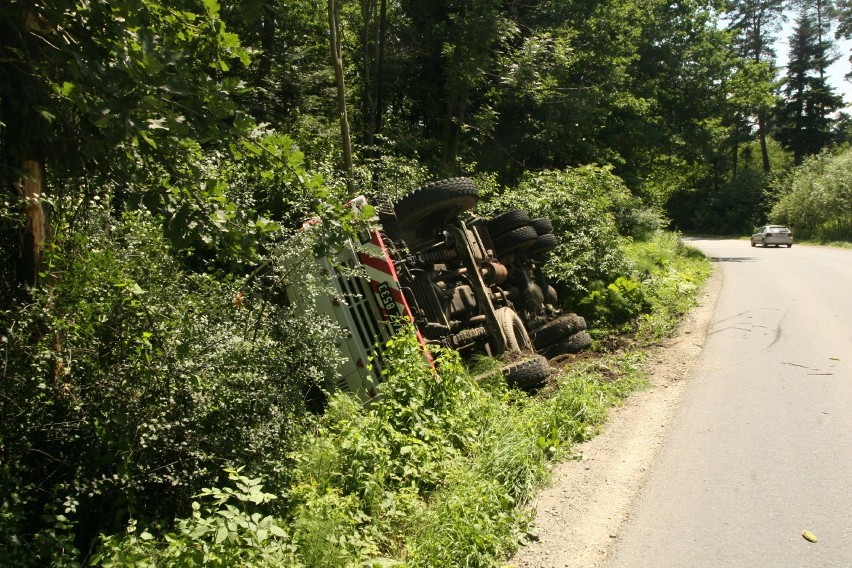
(772, 235)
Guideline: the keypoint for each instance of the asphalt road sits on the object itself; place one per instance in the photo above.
(761, 449)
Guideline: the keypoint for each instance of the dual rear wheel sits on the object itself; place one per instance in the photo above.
(531, 370)
(432, 206)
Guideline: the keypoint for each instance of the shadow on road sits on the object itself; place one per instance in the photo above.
(732, 259)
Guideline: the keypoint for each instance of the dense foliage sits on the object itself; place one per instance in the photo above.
(817, 198)
(584, 205)
(130, 382)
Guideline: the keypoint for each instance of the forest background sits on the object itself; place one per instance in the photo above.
(157, 158)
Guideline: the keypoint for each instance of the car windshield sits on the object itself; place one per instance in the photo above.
(779, 230)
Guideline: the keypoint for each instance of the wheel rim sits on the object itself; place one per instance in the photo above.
(513, 330)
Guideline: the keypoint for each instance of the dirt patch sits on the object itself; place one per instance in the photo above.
(580, 514)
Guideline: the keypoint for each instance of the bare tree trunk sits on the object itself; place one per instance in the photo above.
(30, 188)
(761, 126)
(380, 67)
(761, 131)
(30, 185)
(368, 10)
(337, 61)
(451, 111)
(380, 63)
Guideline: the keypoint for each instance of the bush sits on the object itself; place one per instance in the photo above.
(637, 220)
(660, 287)
(618, 303)
(437, 470)
(581, 203)
(672, 272)
(132, 382)
(220, 533)
(817, 198)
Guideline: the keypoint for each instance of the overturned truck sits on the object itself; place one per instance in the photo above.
(465, 282)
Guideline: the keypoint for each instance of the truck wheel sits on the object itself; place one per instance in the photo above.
(514, 240)
(557, 330)
(436, 203)
(506, 222)
(527, 374)
(513, 329)
(543, 245)
(573, 344)
(542, 226)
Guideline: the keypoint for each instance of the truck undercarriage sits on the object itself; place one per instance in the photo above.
(465, 282)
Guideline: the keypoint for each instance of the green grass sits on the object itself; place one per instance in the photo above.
(647, 304)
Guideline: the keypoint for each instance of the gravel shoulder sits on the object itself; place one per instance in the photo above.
(579, 515)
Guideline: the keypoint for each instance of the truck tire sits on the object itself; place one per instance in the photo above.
(436, 203)
(506, 222)
(573, 344)
(517, 338)
(527, 374)
(543, 245)
(515, 239)
(557, 330)
(542, 226)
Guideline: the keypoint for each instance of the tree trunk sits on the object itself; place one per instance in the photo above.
(735, 158)
(337, 62)
(267, 43)
(819, 16)
(449, 119)
(451, 111)
(761, 132)
(30, 188)
(375, 151)
(25, 150)
(367, 15)
(380, 63)
(455, 140)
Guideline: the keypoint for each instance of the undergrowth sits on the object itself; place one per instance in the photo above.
(438, 470)
(647, 302)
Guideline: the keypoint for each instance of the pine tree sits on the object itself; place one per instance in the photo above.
(805, 122)
(754, 23)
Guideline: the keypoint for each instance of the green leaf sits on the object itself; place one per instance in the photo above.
(104, 121)
(221, 534)
(211, 7)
